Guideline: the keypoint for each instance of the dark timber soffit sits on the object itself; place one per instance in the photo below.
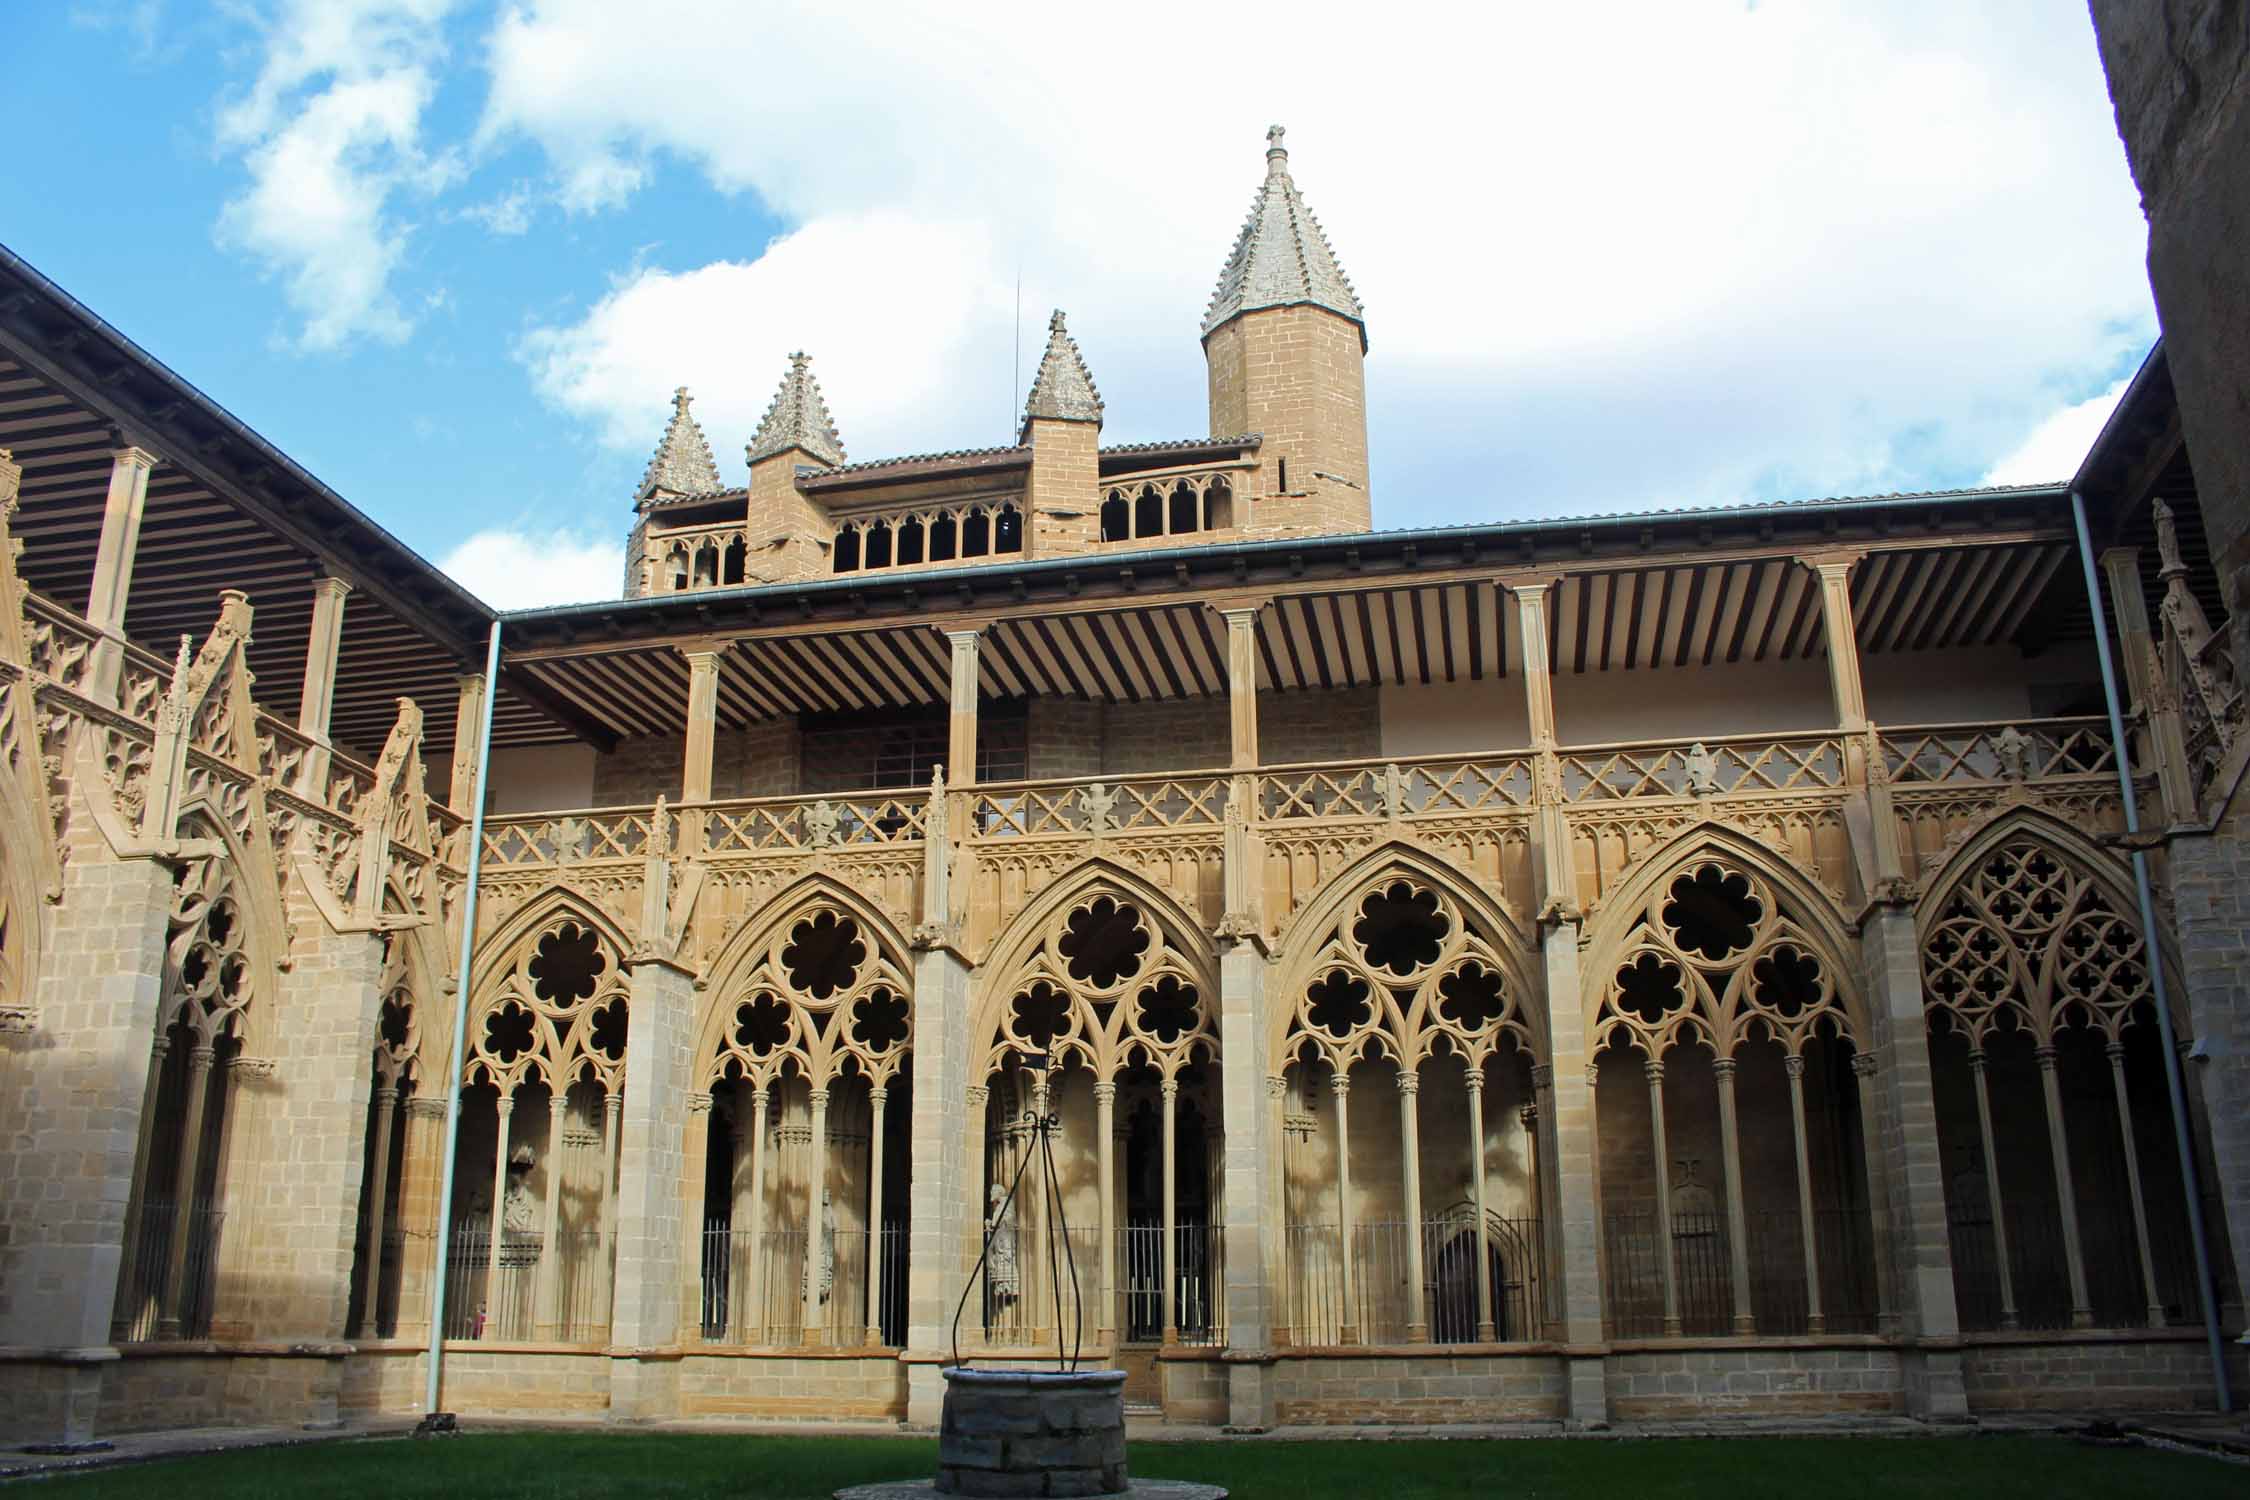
(49, 331)
(1540, 545)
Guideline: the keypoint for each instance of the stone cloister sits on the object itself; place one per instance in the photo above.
(1642, 967)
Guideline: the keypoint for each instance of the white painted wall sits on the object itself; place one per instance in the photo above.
(1925, 687)
(528, 778)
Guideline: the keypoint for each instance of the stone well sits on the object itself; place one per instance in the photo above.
(1032, 1432)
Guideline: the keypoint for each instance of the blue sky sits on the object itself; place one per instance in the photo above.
(453, 256)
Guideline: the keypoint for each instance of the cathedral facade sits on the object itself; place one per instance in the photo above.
(1583, 970)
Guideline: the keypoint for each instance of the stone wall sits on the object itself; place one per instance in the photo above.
(848, 1386)
(2097, 1372)
(761, 759)
(2211, 903)
(1776, 1379)
(1393, 1386)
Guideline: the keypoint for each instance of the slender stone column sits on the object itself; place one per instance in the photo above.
(318, 696)
(613, 1111)
(1998, 1207)
(469, 715)
(1473, 1076)
(1816, 1319)
(1535, 1279)
(1242, 686)
(2066, 1190)
(378, 1188)
(755, 1298)
(875, 1100)
(1170, 1088)
(183, 1191)
(1878, 1212)
(1340, 1086)
(2133, 1181)
(549, 1292)
(2166, 749)
(1410, 1138)
(421, 1166)
(702, 725)
(158, 1051)
(1105, 1130)
(961, 721)
(742, 1137)
(1654, 1068)
(816, 1220)
(504, 1107)
(695, 1171)
(1738, 1221)
(122, 509)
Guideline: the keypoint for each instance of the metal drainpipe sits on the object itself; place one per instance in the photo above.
(431, 1417)
(2175, 1084)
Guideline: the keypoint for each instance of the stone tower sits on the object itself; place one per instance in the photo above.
(1062, 426)
(682, 466)
(1285, 341)
(789, 532)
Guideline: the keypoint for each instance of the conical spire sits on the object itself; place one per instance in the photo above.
(798, 418)
(683, 464)
(1062, 388)
(1281, 259)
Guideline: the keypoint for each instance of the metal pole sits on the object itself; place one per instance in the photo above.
(431, 1417)
(2175, 1085)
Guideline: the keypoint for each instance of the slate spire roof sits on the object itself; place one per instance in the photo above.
(798, 418)
(1062, 388)
(682, 464)
(1281, 259)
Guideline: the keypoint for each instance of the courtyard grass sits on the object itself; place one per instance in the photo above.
(566, 1465)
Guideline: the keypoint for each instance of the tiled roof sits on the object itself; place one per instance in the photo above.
(683, 464)
(1281, 258)
(798, 418)
(906, 459)
(1063, 388)
(1239, 440)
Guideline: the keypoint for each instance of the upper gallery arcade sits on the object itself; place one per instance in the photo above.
(1284, 338)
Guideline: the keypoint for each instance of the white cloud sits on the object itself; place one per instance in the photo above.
(329, 131)
(507, 215)
(918, 292)
(523, 568)
(2057, 446)
(1797, 250)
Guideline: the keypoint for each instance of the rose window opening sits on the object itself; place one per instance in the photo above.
(1167, 1010)
(824, 955)
(1040, 1014)
(1472, 997)
(1787, 982)
(509, 1033)
(567, 965)
(1401, 928)
(1104, 942)
(1649, 989)
(763, 1025)
(1337, 1004)
(879, 1021)
(1712, 913)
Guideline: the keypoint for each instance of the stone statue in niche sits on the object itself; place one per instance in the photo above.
(1702, 770)
(821, 823)
(518, 1213)
(1000, 1264)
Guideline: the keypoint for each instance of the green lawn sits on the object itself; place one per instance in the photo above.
(544, 1465)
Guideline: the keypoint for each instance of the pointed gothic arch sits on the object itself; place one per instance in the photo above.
(1425, 1011)
(2047, 1075)
(1726, 1025)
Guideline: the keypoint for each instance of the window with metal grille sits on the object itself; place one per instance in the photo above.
(898, 748)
